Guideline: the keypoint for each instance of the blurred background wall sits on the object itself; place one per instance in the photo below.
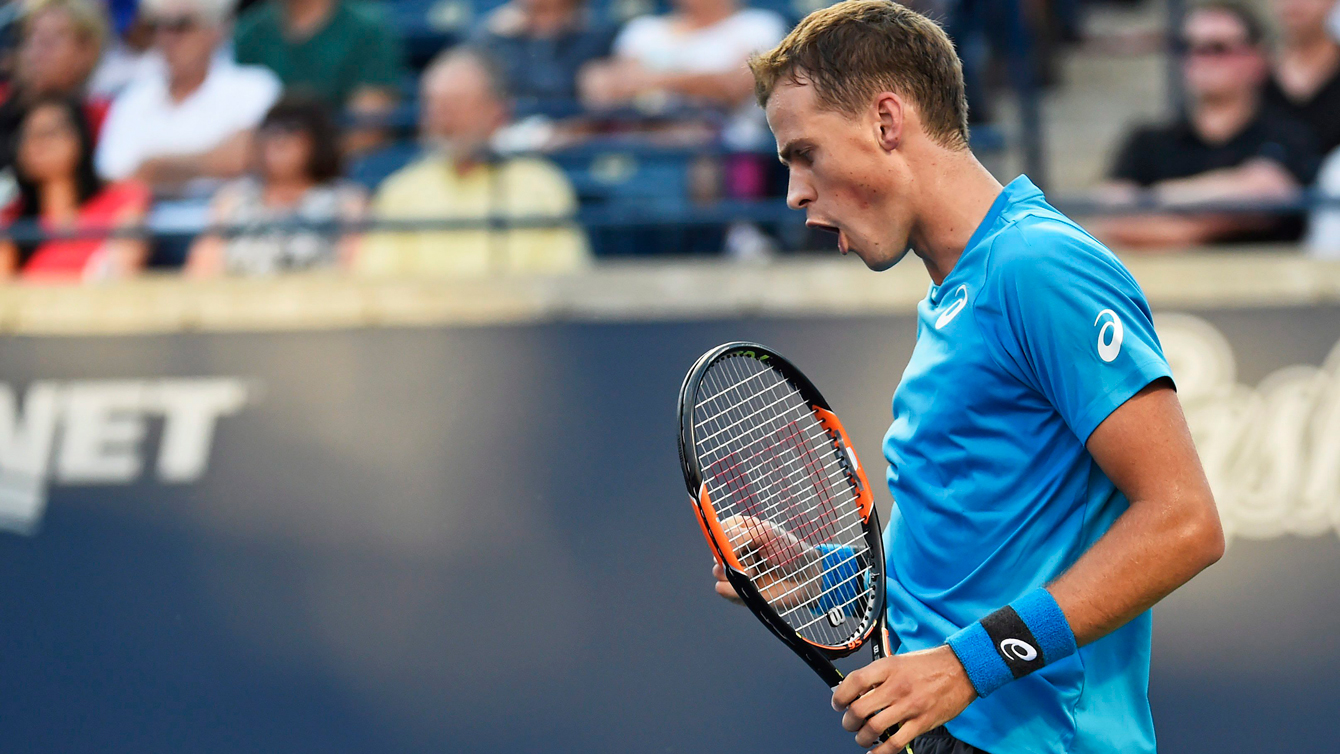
(471, 533)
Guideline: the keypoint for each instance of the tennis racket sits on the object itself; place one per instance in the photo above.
(784, 504)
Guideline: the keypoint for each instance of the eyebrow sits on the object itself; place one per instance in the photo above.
(788, 151)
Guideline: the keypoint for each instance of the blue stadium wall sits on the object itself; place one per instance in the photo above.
(469, 539)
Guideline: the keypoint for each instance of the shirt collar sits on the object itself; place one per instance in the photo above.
(1019, 190)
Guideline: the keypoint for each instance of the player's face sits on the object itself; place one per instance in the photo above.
(841, 175)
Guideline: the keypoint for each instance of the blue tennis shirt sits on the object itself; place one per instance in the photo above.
(1035, 337)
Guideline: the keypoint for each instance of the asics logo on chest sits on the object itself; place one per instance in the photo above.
(948, 315)
(1109, 335)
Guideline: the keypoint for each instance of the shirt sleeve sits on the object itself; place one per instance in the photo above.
(257, 91)
(118, 151)
(633, 39)
(538, 189)
(1073, 323)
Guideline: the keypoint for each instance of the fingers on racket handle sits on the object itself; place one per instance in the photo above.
(886, 735)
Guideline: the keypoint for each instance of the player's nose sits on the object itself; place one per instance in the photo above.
(799, 193)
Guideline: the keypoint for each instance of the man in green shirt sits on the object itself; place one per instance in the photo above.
(342, 51)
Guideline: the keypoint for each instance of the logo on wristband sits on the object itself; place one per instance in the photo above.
(1018, 650)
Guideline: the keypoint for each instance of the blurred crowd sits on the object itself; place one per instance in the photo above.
(299, 133)
(1261, 126)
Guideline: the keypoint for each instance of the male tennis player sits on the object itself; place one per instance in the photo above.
(1047, 490)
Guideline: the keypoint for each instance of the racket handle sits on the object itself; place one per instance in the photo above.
(886, 735)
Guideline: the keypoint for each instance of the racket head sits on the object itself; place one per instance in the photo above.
(775, 482)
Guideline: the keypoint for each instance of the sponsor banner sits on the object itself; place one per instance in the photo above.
(466, 539)
(90, 432)
(1272, 450)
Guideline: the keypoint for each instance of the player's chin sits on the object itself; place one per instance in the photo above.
(877, 261)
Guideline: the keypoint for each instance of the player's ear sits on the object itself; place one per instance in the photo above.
(889, 116)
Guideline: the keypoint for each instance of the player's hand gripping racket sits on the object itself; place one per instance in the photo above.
(784, 504)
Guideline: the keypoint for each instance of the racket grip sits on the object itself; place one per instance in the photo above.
(887, 734)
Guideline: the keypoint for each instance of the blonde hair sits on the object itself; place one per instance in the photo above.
(216, 12)
(87, 16)
(851, 51)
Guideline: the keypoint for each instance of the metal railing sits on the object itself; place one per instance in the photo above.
(627, 216)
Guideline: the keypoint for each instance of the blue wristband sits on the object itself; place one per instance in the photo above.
(841, 574)
(1012, 642)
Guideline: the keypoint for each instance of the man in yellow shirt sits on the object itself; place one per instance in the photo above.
(462, 107)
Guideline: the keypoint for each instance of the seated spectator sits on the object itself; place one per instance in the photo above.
(341, 51)
(59, 191)
(697, 54)
(1323, 227)
(1306, 81)
(58, 49)
(459, 178)
(194, 119)
(297, 180)
(541, 45)
(128, 56)
(1227, 148)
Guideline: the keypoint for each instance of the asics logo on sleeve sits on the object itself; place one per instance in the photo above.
(1018, 650)
(1109, 335)
(949, 314)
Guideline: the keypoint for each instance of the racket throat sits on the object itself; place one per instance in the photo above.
(826, 670)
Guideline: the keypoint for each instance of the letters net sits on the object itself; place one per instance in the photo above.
(783, 494)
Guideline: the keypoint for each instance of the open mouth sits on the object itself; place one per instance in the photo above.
(835, 230)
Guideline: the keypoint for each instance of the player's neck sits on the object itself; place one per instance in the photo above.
(955, 193)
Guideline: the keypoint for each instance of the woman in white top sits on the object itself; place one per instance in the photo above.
(697, 53)
(298, 182)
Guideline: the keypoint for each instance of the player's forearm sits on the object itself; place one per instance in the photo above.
(1151, 550)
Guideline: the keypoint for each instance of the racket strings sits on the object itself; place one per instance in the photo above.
(771, 504)
(774, 472)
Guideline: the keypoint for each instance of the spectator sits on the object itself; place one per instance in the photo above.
(1306, 80)
(297, 179)
(463, 107)
(341, 51)
(59, 190)
(58, 50)
(697, 53)
(193, 119)
(541, 45)
(1323, 228)
(128, 57)
(1226, 148)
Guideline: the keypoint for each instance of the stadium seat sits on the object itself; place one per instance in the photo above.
(627, 174)
(371, 169)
